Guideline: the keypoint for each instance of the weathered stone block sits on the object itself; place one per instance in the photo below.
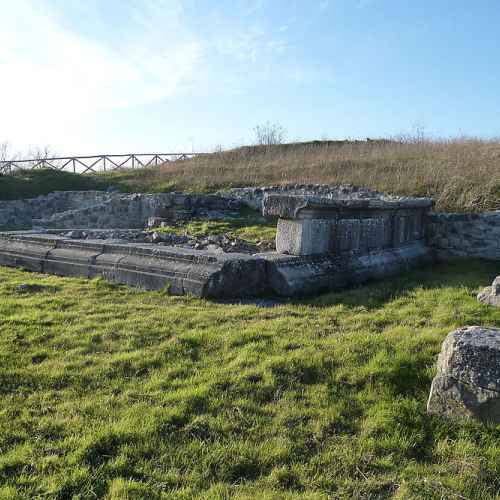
(310, 225)
(298, 276)
(148, 266)
(491, 294)
(467, 383)
(315, 207)
(304, 237)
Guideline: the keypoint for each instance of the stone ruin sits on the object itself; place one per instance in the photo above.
(327, 244)
(324, 242)
(111, 210)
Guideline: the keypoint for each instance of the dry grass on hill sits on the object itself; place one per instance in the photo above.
(461, 174)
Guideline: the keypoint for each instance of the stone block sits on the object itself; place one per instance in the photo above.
(291, 276)
(315, 207)
(304, 237)
(467, 383)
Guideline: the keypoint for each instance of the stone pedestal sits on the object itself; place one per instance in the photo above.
(304, 237)
(318, 226)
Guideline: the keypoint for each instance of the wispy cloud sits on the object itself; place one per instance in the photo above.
(67, 64)
(50, 70)
(254, 44)
(54, 65)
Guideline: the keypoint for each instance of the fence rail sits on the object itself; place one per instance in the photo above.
(95, 163)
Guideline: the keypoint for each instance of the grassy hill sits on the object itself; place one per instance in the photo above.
(462, 175)
(108, 391)
(31, 183)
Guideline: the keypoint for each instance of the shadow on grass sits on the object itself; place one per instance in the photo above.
(469, 273)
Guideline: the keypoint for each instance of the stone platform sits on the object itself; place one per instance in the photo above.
(201, 273)
(295, 276)
(152, 267)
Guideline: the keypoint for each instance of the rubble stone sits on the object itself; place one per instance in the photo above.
(467, 383)
(491, 294)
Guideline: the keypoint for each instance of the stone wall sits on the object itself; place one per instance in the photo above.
(18, 214)
(97, 209)
(464, 235)
(253, 196)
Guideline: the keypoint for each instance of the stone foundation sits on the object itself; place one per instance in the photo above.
(97, 209)
(202, 273)
(323, 244)
(294, 276)
(148, 266)
(465, 235)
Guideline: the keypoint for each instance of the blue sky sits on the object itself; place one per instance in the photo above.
(110, 76)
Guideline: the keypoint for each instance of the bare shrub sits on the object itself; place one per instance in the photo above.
(26, 160)
(4, 151)
(5, 155)
(269, 134)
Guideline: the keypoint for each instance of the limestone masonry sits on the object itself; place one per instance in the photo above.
(97, 209)
(491, 294)
(153, 267)
(465, 235)
(253, 197)
(328, 237)
(467, 384)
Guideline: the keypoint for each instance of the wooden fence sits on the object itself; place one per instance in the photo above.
(94, 164)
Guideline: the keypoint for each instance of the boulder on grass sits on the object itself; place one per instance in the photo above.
(467, 383)
(491, 294)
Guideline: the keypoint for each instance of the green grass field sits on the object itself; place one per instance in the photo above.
(112, 392)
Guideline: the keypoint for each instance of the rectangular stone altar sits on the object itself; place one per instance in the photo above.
(311, 225)
(329, 243)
